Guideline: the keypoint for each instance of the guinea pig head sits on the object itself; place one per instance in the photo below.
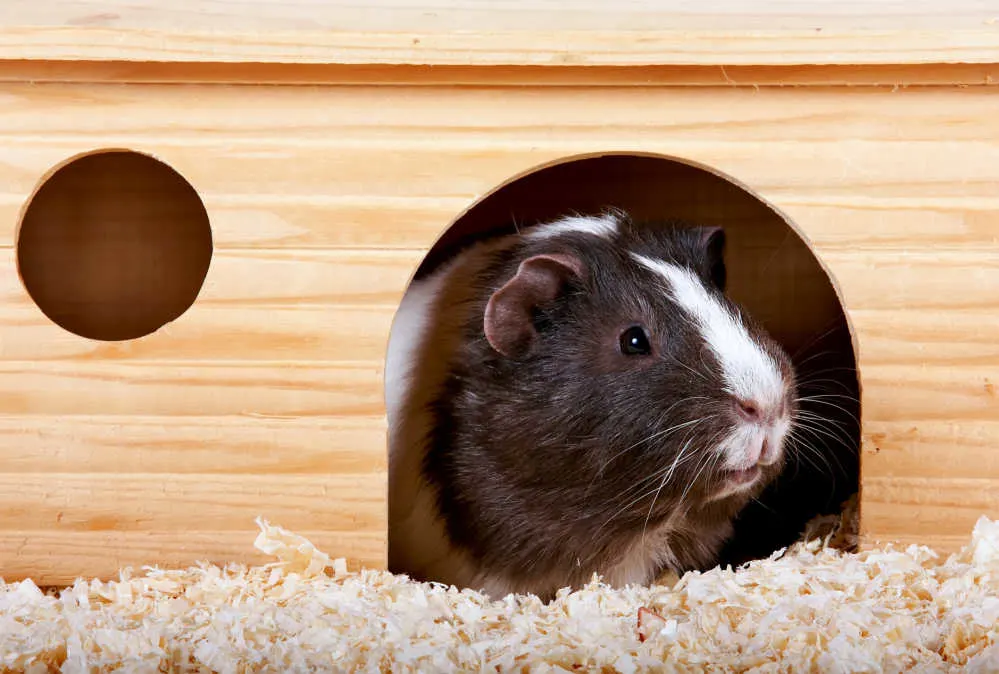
(623, 385)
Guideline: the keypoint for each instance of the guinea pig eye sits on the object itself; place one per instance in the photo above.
(635, 342)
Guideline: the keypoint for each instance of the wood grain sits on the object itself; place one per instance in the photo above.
(213, 332)
(324, 199)
(904, 450)
(60, 557)
(919, 489)
(268, 305)
(194, 445)
(323, 167)
(461, 32)
(925, 510)
(169, 389)
(961, 337)
(143, 502)
(890, 76)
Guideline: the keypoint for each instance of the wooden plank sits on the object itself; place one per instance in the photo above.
(212, 501)
(269, 220)
(928, 392)
(835, 206)
(215, 333)
(324, 167)
(920, 333)
(941, 217)
(53, 557)
(581, 32)
(936, 538)
(352, 167)
(939, 513)
(467, 15)
(927, 482)
(281, 278)
(323, 277)
(904, 450)
(928, 279)
(287, 120)
(205, 388)
(145, 72)
(960, 216)
(225, 445)
(268, 305)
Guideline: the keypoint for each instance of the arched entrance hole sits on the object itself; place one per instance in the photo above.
(772, 272)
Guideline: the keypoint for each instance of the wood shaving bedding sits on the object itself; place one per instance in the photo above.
(812, 608)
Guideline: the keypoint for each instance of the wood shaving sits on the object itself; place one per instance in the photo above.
(810, 608)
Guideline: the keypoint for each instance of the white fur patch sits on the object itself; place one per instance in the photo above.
(418, 542)
(742, 449)
(604, 226)
(409, 328)
(749, 371)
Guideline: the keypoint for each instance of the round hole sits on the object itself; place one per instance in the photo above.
(771, 271)
(114, 245)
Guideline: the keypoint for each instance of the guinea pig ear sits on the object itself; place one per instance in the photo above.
(712, 243)
(509, 317)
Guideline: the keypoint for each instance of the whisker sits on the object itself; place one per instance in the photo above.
(840, 426)
(800, 364)
(657, 490)
(834, 406)
(698, 474)
(662, 484)
(656, 474)
(652, 477)
(800, 453)
(834, 326)
(659, 435)
(818, 434)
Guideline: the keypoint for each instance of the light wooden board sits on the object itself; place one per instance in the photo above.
(266, 388)
(229, 445)
(142, 502)
(322, 167)
(549, 32)
(130, 485)
(323, 200)
(58, 557)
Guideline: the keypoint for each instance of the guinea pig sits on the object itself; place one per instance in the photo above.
(582, 398)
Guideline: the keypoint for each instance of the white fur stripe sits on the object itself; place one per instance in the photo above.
(603, 226)
(748, 371)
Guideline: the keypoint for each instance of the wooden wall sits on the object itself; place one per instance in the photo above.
(265, 398)
(516, 32)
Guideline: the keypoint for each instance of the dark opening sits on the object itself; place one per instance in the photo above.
(114, 245)
(771, 271)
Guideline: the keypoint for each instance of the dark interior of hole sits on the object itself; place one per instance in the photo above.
(114, 245)
(771, 271)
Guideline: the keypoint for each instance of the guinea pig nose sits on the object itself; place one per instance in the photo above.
(748, 409)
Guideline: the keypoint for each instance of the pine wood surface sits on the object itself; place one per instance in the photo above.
(516, 32)
(265, 398)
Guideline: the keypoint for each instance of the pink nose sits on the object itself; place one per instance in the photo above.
(754, 412)
(748, 409)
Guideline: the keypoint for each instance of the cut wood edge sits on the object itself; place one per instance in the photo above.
(885, 75)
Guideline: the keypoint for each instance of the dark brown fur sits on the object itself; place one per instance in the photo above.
(534, 459)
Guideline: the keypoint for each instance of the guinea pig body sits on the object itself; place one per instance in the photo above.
(579, 399)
